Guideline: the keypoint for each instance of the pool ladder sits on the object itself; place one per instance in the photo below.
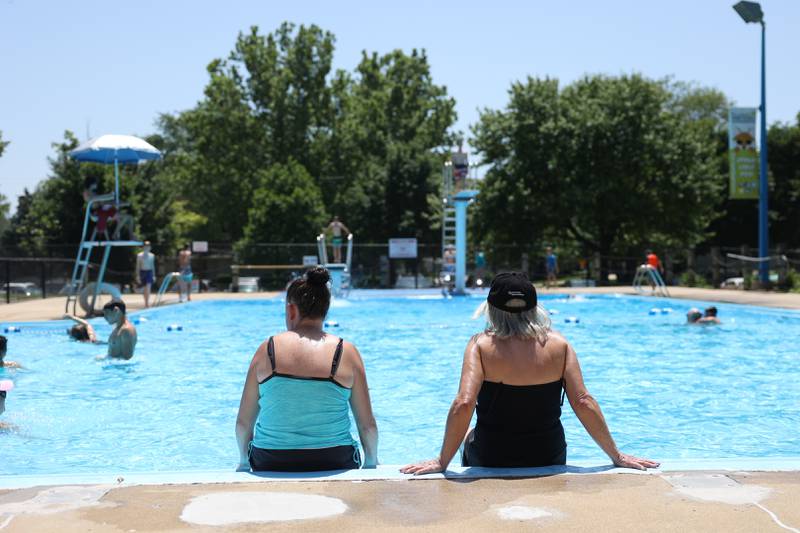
(169, 278)
(651, 276)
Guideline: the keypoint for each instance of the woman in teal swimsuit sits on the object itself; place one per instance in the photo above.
(294, 414)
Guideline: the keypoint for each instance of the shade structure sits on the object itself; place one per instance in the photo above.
(120, 148)
(115, 149)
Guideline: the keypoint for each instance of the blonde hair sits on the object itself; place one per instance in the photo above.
(531, 324)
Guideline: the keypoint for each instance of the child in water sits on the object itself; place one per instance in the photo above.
(3, 349)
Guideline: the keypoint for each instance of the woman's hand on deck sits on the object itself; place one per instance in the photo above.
(629, 461)
(432, 466)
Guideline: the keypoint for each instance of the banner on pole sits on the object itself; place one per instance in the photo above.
(742, 153)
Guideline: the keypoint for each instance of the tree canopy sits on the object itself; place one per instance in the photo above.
(610, 162)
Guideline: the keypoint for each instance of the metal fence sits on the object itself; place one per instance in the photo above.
(41, 277)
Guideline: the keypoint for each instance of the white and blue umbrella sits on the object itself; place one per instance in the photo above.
(116, 149)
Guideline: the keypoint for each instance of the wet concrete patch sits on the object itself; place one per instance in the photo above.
(717, 488)
(228, 508)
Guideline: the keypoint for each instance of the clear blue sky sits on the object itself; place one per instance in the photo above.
(116, 66)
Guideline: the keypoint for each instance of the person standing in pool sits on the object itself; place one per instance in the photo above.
(186, 275)
(336, 227)
(145, 271)
(294, 414)
(516, 373)
(3, 351)
(6, 385)
(551, 267)
(122, 341)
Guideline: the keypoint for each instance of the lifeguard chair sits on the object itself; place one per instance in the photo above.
(106, 149)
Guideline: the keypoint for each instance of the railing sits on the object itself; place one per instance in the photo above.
(172, 276)
(650, 275)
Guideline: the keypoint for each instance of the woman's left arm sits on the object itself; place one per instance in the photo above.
(460, 413)
(246, 419)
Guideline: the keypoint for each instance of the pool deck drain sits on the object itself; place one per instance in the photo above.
(688, 501)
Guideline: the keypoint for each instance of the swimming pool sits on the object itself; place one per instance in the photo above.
(669, 391)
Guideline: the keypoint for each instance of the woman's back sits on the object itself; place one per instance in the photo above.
(302, 402)
(519, 404)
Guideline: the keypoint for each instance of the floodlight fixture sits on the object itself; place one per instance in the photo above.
(749, 11)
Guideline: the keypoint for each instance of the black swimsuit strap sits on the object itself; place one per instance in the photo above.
(563, 381)
(271, 353)
(337, 356)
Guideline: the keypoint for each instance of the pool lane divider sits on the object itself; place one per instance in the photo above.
(391, 473)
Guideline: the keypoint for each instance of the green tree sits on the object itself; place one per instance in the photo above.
(611, 162)
(266, 104)
(390, 120)
(784, 165)
(4, 205)
(286, 203)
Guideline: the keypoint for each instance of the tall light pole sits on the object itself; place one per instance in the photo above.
(751, 12)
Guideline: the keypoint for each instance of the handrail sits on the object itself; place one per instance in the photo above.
(165, 286)
(657, 285)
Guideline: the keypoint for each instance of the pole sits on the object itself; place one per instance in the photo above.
(116, 180)
(461, 244)
(763, 203)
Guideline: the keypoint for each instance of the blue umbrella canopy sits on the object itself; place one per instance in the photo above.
(115, 148)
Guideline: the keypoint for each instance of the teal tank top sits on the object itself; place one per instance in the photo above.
(299, 413)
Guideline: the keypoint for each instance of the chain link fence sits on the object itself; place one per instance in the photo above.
(274, 264)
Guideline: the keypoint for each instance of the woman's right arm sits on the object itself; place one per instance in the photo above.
(588, 412)
(362, 412)
(248, 412)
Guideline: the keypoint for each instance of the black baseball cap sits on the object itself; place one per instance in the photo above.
(512, 292)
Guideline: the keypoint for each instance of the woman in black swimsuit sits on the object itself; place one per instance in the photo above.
(516, 373)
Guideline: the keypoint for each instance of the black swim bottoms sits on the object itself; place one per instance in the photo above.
(313, 460)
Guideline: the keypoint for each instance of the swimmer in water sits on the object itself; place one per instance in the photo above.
(5, 386)
(710, 317)
(693, 315)
(3, 349)
(122, 340)
(82, 331)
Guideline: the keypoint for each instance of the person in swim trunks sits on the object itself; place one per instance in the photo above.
(186, 275)
(145, 271)
(515, 373)
(551, 267)
(300, 389)
(336, 227)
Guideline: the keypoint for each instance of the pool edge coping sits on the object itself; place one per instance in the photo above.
(390, 473)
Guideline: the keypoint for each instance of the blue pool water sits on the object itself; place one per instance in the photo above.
(669, 391)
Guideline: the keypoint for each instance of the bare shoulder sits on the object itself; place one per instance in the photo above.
(556, 341)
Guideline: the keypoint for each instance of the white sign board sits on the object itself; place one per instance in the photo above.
(310, 260)
(200, 246)
(402, 248)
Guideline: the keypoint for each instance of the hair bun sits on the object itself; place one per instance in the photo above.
(318, 276)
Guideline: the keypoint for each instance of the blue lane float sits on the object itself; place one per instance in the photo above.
(572, 320)
(331, 324)
(553, 311)
(12, 329)
(174, 327)
(660, 311)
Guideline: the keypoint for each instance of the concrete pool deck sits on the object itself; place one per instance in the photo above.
(53, 308)
(675, 501)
